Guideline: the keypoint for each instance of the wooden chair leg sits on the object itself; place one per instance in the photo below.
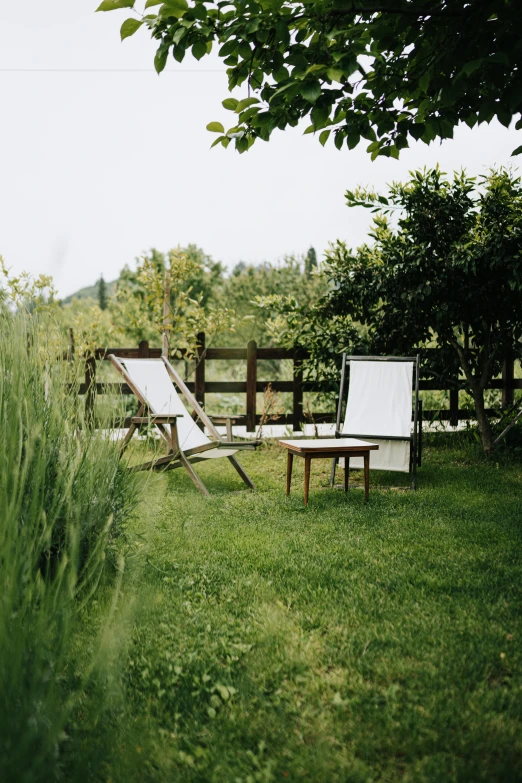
(346, 473)
(366, 477)
(193, 475)
(242, 472)
(308, 461)
(174, 440)
(289, 464)
(130, 432)
(332, 477)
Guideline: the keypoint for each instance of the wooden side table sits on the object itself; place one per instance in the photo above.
(327, 448)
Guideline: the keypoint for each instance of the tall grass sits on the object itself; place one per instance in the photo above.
(64, 498)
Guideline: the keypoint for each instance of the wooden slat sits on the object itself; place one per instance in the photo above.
(226, 353)
(275, 353)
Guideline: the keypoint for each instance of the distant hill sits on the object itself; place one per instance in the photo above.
(91, 292)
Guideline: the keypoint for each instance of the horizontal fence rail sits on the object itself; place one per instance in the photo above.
(251, 386)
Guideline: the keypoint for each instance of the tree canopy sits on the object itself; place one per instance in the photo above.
(376, 70)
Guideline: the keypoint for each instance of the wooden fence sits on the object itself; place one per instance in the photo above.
(251, 385)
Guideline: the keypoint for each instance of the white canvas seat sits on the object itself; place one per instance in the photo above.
(152, 379)
(154, 383)
(379, 409)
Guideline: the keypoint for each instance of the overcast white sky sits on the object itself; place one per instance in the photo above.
(96, 168)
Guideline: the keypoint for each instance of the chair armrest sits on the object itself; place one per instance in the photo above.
(225, 417)
(239, 444)
(157, 418)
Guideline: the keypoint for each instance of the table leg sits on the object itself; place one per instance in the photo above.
(346, 472)
(366, 476)
(308, 460)
(289, 463)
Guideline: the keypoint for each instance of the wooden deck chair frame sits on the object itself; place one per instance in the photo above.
(167, 426)
(415, 438)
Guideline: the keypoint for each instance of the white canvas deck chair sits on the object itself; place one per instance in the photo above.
(379, 409)
(152, 381)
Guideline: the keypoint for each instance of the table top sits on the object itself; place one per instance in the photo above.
(328, 444)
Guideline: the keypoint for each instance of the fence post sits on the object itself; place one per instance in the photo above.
(454, 407)
(143, 349)
(199, 376)
(251, 381)
(90, 394)
(508, 375)
(297, 403)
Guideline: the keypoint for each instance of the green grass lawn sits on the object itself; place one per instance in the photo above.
(341, 642)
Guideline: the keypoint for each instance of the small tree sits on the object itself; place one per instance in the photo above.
(310, 262)
(102, 294)
(449, 274)
(141, 310)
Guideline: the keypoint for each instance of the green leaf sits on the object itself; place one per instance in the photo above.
(281, 74)
(175, 8)
(245, 103)
(179, 34)
(129, 27)
(310, 129)
(517, 151)
(417, 129)
(199, 50)
(504, 117)
(339, 138)
(199, 11)
(215, 127)
(335, 74)
(262, 119)
(150, 3)
(424, 81)
(311, 91)
(473, 65)
(112, 5)
(323, 137)
(353, 140)
(179, 53)
(230, 104)
(160, 60)
(229, 48)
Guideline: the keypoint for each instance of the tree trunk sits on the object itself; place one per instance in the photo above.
(477, 392)
(486, 433)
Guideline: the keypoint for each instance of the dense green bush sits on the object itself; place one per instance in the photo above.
(63, 499)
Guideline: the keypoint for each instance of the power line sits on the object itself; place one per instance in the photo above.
(108, 70)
